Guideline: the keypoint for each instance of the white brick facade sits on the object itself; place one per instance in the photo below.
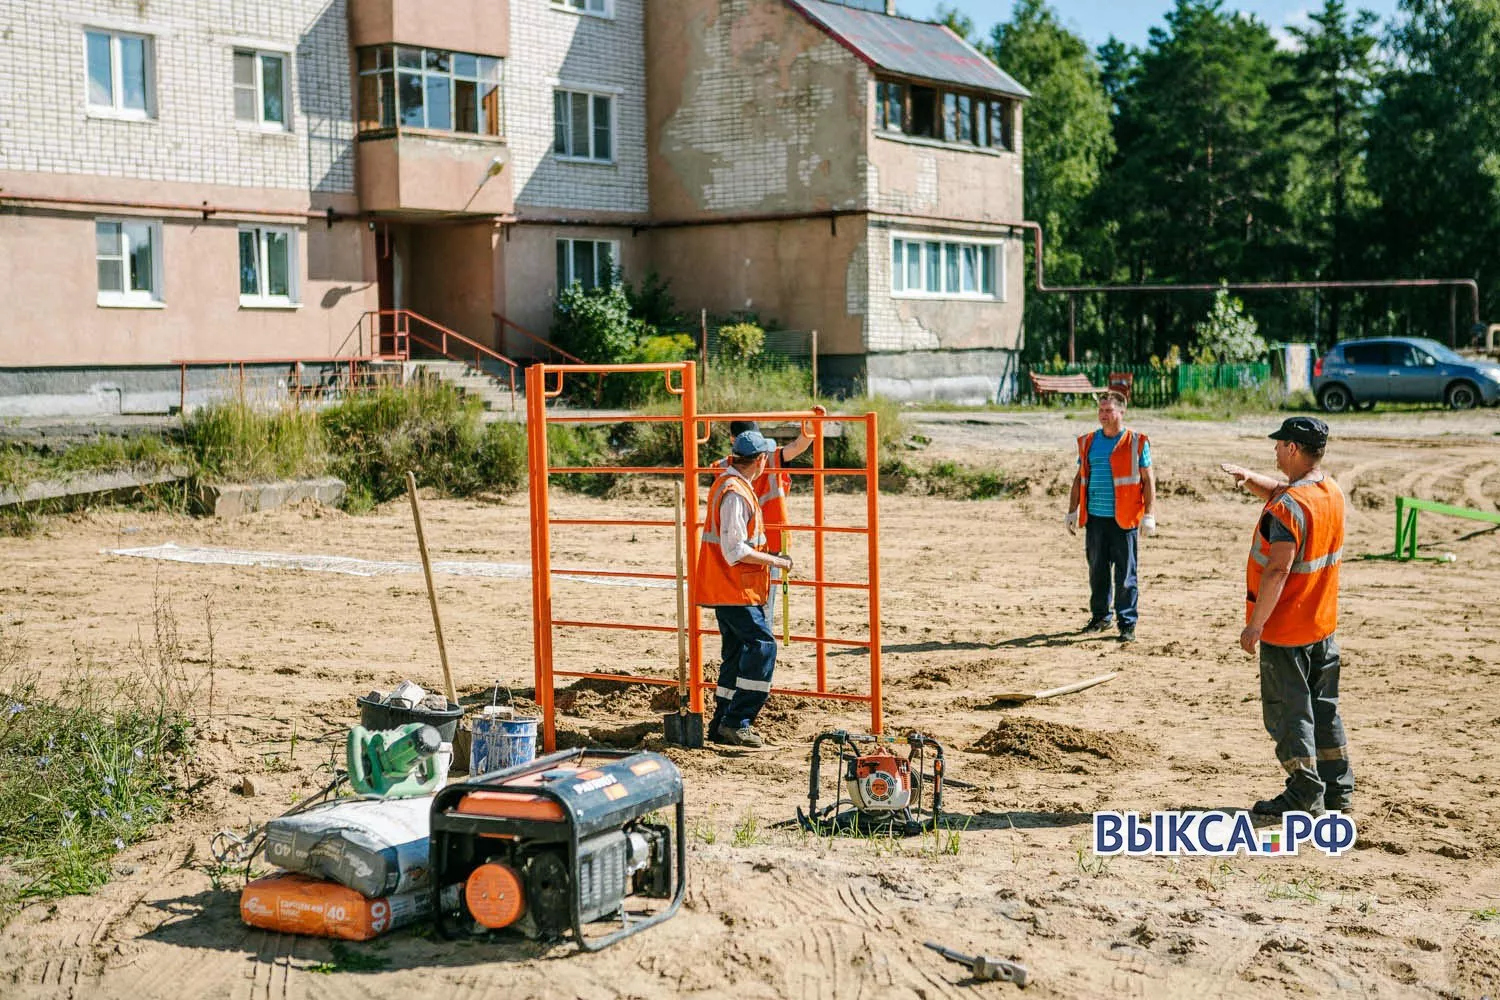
(192, 136)
(554, 48)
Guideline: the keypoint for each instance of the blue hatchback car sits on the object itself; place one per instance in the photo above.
(1361, 373)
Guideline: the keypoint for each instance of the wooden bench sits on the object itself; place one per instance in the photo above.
(1062, 385)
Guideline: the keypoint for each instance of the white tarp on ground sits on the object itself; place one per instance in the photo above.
(171, 552)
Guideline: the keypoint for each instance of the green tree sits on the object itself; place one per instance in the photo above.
(1434, 155)
(1228, 334)
(961, 24)
(1325, 108)
(1067, 144)
(1196, 186)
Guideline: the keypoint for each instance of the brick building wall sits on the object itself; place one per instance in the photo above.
(193, 137)
(551, 47)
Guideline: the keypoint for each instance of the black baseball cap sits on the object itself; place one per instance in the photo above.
(1303, 430)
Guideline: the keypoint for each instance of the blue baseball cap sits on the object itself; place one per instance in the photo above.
(748, 444)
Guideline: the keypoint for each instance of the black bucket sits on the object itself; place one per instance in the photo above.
(373, 715)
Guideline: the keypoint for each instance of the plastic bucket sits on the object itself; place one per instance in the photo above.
(375, 716)
(501, 740)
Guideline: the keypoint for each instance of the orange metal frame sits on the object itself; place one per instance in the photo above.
(538, 391)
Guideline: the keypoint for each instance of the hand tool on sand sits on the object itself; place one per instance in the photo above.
(437, 622)
(984, 968)
(1020, 697)
(682, 728)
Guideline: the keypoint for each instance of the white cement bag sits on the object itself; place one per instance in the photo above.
(377, 847)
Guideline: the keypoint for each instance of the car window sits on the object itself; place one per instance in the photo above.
(1367, 354)
(1441, 353)
(1407, 356)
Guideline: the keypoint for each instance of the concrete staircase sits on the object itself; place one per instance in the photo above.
(491, 390)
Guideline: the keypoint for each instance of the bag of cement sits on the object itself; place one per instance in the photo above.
(297, 904)
(376, 847)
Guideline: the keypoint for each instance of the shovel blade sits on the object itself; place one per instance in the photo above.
(684, 729)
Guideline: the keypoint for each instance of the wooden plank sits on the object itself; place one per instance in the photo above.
(1021, 697)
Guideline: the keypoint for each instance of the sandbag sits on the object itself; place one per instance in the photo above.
(376, 847)
(297, 904)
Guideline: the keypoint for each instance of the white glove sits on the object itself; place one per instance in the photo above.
(1072, 521)
(1148, 524)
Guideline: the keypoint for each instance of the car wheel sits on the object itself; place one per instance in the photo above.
(1462, 396)
(1335, 399)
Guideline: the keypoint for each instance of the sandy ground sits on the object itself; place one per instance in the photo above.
(979, 597)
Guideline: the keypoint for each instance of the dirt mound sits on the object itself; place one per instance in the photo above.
(1053, 746)
(591, 697)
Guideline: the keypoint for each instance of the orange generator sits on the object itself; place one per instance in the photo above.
(572, 839)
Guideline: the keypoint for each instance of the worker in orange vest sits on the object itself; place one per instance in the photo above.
(734, 578)
(1291, 612)
(1113, 497)
(771, 488)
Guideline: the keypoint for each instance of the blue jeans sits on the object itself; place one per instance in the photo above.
(1112, 551)
(748, 660)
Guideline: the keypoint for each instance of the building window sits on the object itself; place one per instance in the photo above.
(127, 255)
(260, 88)
(950, 116)
(589, 263)
(949, 269)
(583, 125)
(890, 99)
(403, 87)
(268, 266)
(119, 73)
(600, 8)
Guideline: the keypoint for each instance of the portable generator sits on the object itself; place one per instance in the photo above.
(564, 841)
(876, 789)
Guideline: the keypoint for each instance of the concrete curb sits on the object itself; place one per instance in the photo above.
(235, 499)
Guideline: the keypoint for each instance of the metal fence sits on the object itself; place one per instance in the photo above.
(1146, 385)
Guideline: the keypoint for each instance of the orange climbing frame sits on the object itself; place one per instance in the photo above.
(544, 382)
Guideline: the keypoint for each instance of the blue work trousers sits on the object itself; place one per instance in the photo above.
(749, 659)
(1112, 551)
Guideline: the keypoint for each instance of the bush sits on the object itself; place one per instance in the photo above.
(596, 325)
(741, 342)
(428, 428)
(637, 389)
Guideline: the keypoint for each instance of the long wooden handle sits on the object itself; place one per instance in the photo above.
(437, 621)
(682, 650)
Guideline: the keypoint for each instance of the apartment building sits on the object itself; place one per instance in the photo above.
(215, 180)
(842, 169)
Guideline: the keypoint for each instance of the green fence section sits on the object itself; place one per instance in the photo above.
(1193, 378)
(1149, 386)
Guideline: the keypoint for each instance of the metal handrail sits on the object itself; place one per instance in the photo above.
(504, 321)
(237, 365)
(404, 318)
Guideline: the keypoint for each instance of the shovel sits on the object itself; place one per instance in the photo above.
(682, 728)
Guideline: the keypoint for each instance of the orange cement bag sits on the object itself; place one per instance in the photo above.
(301, 905)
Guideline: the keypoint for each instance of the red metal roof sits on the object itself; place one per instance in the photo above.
(908, 47)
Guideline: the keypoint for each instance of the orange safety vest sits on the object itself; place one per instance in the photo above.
(719, 583)
(771, 488)
(1125, 467)
(1308, 610)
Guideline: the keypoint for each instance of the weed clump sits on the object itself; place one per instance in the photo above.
(84, 771)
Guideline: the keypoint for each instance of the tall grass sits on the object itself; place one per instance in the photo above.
(86, 767)
(426, 427)
(237, 441)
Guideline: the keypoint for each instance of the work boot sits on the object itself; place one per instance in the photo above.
(1338, 803)
(1127, 634)
(1281, 804)
(1096, 625)
(741, 737)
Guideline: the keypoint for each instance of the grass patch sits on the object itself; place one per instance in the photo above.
(349, 959)
(239, 442)
(84, 772)
(1230, 404)
(428, 428)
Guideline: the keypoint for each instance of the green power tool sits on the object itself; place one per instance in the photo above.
(394, 763)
